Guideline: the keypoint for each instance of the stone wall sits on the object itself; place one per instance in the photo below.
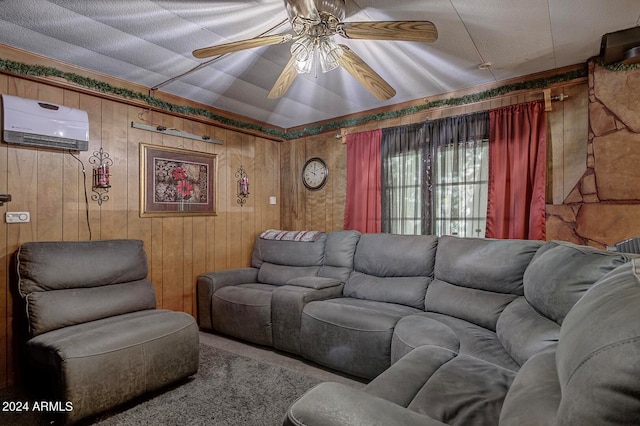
(604, 206)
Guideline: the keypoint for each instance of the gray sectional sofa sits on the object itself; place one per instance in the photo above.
(450, 330)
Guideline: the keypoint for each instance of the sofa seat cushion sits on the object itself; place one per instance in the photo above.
(429, 328)
(108, 334)
(336, 404)
(244, 311)
(452, 388)
(417, 330)
(103, 363)
(351, 335)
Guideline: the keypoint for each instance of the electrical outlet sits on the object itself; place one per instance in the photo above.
(17, 217)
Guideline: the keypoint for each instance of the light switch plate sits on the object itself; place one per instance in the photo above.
(17, 217)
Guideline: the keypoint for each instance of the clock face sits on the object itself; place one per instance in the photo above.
(314, 173)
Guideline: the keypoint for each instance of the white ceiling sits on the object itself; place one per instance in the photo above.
(150, 43)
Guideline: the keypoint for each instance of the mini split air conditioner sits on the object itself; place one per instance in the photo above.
(36, 123)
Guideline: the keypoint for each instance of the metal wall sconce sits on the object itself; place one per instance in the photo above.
(101, 175)
(243, 185)
(4, 198)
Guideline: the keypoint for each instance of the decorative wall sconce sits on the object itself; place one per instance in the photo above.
(243, 185)
(4, 198)
(101, 175)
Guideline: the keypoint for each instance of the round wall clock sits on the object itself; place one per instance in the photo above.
(315, 173)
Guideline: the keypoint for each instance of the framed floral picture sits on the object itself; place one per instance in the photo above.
(177, 182)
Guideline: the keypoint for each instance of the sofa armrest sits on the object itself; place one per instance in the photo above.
(316, 283)
(219, 279)
(336, 404)
(209, 283)
(287, 303)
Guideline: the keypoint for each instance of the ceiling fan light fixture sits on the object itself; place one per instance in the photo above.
(302, 49)
(304, 67)
(330, 54)
(298, 25)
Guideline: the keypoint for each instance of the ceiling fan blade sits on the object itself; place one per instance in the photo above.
(423, 31)
(234, 46)
(365, 75)
(284, 81)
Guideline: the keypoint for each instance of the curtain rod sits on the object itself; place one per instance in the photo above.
(548, 99)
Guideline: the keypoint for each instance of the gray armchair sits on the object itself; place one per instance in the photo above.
(93, 327)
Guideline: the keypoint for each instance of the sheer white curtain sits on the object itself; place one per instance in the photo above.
(458, 156)
(403, 171)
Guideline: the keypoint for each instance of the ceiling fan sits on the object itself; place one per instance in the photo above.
(314, 23)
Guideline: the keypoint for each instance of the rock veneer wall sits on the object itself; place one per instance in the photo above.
(604, 206)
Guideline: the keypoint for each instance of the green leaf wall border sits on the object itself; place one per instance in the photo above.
(20, 68)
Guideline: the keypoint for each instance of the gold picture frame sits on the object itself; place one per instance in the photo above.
(177, 182)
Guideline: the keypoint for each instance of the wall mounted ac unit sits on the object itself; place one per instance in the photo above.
(36, 123)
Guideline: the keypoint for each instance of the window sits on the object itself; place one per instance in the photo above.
(460, 190)
(403, 193)
(435, 177)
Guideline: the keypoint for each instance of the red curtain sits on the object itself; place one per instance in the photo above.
(363, 208)
(517, 172)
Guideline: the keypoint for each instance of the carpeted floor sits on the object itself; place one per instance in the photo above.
(228, 390)
(237, 384)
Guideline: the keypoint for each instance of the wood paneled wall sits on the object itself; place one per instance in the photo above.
(567, 138)
(313, 210)
(50, 185)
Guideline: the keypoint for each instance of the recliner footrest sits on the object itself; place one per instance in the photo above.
(103, 363)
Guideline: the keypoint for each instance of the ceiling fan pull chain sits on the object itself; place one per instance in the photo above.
(315, 61)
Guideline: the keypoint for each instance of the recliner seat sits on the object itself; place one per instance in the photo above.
(93, 328)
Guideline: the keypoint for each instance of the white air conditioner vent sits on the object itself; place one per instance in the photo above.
(36, 123)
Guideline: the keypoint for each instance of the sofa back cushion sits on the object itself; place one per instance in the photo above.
(561, 272)
(279, 261)
(524, 332)
(597, 355)
(591, 376)
(392, 268)
(67, 283)
(475, 279)
(558, 275)
(534, 395)
(338, 257)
